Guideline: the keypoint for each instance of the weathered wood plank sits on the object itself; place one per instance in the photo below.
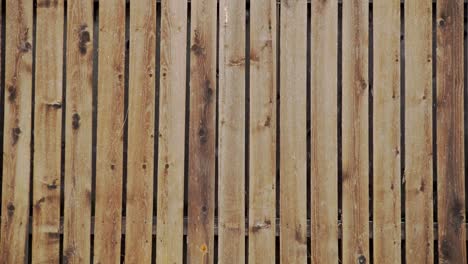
(450, 132)
(324, 137)
(386, 119)
(202, 136)
(418, 132)
(47, 131)
(262, 132)
(110, 128)
(78, 132)
(231, 146)
(141, 118)
(293, 155)
(17, 127)
(355, 129)
(172, 103)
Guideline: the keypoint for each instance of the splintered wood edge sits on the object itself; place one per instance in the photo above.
(340, 230)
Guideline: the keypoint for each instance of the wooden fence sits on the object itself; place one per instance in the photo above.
(233, 131)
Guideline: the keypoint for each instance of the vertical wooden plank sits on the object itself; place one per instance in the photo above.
(171, 132)
(47, 131)
(202, 131)
(172, 97)
(262, 149)
(141, 113)
(355, 127)
(418, 132)
(231, 146)
(110, 128)
(450, 141)
(17, 127)
(387, 202)
(324, 137)
(78, 132)
(293, 155)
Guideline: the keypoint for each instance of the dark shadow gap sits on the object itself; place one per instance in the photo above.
(64, 107)
(94, 121)
(371, 124)
(402, 125)
(339, 125)
(187, 126)
(156, 121)
(308, 128)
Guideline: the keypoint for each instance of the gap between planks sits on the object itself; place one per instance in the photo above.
(340, 230)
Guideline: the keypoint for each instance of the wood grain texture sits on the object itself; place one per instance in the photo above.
(172, 101)
(78, 132)
(231, 139)
(355, 127)
(141, 118)
(293, 155)
(450, 132)
(386, 118)
(110, 131)
(324, 137)
(47, 132)
(201, 189)
(418, 132)
(17, 127)
(262, 131)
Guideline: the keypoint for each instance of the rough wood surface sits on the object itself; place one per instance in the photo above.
(293, 150)
(387, 183)
(141, 118)
(172, 96)
(110, 131)
(17, 130)
(324, 137)
(231, 139)
(78, 132)
(47, 132)
(450, 132)
(202, 136)
(418, 132)
(262, 131)
(355, 127)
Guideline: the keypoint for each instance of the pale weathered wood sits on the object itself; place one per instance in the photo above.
(386, 120)
(355, 137)
(324, 137)
(293, 109)
(141, 117)
(231, 138)
(201, 189)
(17, 130)
(262, 132)
(172, 97)
(78, 132)
(418, 132)
(47, 131)
(110, 130)
(450, 132)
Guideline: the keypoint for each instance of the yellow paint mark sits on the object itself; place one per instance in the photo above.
(204, 249)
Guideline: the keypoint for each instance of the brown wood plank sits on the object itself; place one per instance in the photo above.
(141, 117)
(47, 131)
(110, 130)
(293, 150)
(78, 132)
(262, 148)
(355, 137)
(201, 189)
(231, 146)
(17, 127)
(386, 118)
(450, 132)
(418, 132)
(172, 97)
(324, 137)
